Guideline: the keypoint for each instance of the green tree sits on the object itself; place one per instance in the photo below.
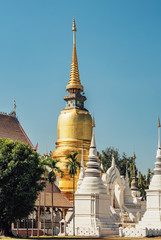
(52, 173)
(142, 184)
(72, 165)
(106, 159)
(149, 176)
(20, 175)
(122, 164)
(131, 171)
(45, 178)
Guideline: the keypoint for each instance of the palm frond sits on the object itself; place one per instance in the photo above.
(72, 164)
(69, 156)
(75, 154)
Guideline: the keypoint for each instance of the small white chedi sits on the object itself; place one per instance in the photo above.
(101, 205)
(92, 203)
(150, 224)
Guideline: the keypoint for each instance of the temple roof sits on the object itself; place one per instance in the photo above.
(11, 128)
(59, 199)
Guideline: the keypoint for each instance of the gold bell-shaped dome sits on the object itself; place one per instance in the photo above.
(74, 128)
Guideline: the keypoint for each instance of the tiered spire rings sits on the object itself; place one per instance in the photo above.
(134, 183)
(74, 81)
(157, 169)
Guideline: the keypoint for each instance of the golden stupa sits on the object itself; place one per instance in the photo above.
(74, 128)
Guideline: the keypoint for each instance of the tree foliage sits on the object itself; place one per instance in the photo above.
(142, 184)
(20, 175)
(51, 170)
(149, 176)
(131, 172)
(106, 159)
(121, 161)
(72, 165)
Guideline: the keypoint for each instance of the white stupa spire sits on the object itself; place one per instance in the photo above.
(92, 182)
(82, 161)
(152, 218)
(92, 202)
(157, 169)
(82, 172)
(127, 192)
(113, 160)
(92, 150)
(127, 177)
(156, 179)
(159, 146)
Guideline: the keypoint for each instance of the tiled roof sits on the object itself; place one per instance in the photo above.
(59, 199)
(11, 128)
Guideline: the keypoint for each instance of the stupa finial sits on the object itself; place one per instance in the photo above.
(134, 182)
(74, 81)
(82, 160)
(93, 142)
(113, 160)
(127, 170)
(134, 156)
(158, 121)
(159, 132)
(82, 172)
(74, 26)
(93, 122)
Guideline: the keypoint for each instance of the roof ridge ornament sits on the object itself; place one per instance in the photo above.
(15, 107)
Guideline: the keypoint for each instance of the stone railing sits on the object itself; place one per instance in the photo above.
(83, 231)
(139, 232)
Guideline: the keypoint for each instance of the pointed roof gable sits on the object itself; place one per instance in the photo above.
(60, 200)
(11, 128)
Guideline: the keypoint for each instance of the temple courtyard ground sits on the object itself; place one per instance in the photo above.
(71, 238)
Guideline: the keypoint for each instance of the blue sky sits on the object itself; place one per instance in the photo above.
(119, 57)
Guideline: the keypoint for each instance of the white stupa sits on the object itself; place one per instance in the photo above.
(150, 224)
(92, 203)
(152, 216)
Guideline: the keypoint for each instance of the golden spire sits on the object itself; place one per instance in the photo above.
(158, 122)
(134, 156)
(93, 122)
(74, 26)
(74, 81)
